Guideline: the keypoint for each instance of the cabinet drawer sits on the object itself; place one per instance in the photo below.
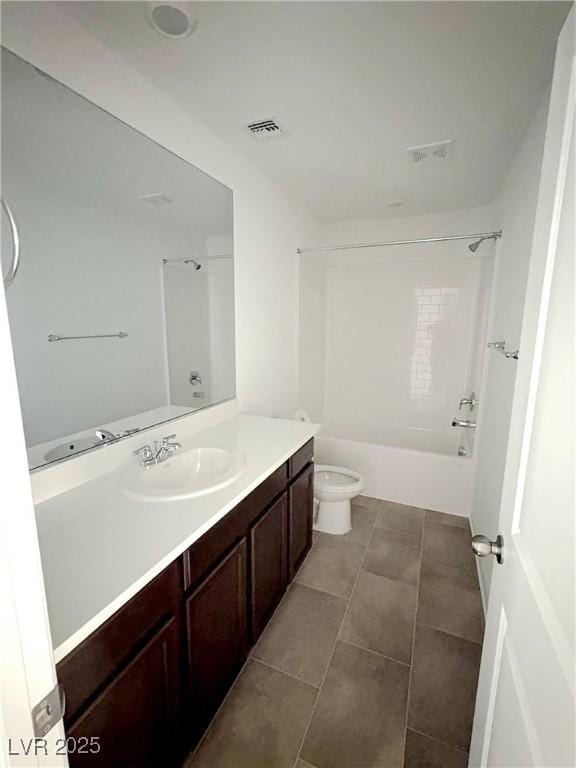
(206, 552)
(96, 659)
(298, 461)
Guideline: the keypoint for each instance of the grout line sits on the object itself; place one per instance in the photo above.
(336, 639)
(451, 634)
(283, 672)
(373, 652)
(409, 691)
(324, 591)
(399, 533)
(317, 589)
(439, 741)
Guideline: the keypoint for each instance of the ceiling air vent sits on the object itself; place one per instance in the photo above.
(265, 129)
(428, 153)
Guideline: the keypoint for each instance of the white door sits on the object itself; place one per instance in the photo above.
(27, 671)
(525, 713)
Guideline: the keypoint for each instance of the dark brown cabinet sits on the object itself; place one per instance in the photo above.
(146, 683)
(134, 722)
(217, 639)
(269, 574)
(300, 508)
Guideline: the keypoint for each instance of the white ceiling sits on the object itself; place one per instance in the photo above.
(354, 84)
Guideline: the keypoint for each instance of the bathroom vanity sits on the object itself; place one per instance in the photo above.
(145, 682)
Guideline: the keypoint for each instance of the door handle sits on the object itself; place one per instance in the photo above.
(482, 547)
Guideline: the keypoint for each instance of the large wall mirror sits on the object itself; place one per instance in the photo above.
(122, 308)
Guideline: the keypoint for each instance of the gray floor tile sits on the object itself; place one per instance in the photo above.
(423, 752)
(394, 555)
(261, 723)
(445, 519)
(362, 524)
(360, 716)
(443, 688)
(400, 518)
(300, 637)
(381, 616)
(446, 605)
(367, 501)
(447, 547)
(332, 565)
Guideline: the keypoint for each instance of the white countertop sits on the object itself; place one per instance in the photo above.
(100, 546)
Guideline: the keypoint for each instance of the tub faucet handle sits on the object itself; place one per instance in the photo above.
(463, 423)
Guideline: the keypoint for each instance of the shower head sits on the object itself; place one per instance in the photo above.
(474, 246)
(197, 264)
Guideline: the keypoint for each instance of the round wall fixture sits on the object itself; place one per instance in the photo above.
(174, 20)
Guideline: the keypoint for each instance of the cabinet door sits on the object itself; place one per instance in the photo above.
(268, 550)
(217, 633)
(300, 508)
(134, 721)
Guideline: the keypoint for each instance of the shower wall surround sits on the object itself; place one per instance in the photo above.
(398, 339)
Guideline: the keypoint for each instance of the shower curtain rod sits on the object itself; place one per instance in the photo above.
(324, 248)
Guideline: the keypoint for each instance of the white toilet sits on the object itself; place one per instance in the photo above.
(334, 488)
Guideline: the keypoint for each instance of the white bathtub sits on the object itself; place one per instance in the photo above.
(422, 478)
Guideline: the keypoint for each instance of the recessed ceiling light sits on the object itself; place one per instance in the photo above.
(174, 20)
(396, 204)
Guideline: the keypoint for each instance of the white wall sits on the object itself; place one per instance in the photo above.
(268, 226)
(312, 323)
(514, 213)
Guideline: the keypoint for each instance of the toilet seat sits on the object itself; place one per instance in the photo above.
(332, 481)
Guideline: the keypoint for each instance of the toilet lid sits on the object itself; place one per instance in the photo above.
(332, 477)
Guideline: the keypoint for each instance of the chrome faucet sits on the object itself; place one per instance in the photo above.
(463, 423)
(104, 435)
(161, 452)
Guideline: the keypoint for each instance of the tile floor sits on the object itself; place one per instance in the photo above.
(371, 660)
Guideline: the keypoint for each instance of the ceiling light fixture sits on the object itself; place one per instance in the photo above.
(175, 20)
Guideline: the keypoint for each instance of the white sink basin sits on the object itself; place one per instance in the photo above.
(186, 474)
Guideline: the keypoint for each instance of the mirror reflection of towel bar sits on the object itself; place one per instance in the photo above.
(119, 335)
(500, 346)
